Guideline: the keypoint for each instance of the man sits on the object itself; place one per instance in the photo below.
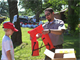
(55, 28)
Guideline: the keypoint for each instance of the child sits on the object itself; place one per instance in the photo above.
(7, 45)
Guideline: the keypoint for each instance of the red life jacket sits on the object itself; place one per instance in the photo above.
(34, 42)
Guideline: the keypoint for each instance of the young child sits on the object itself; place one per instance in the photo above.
(7, 45)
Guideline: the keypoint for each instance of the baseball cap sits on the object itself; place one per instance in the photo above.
(9, 25)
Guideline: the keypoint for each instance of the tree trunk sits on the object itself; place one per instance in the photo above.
(40, 11)
(37, 15)
(13, 10)
(70, 3)
(71, 14)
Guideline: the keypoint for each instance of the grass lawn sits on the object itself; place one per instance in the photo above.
(23, 52)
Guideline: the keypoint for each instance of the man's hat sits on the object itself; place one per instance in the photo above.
(9, 25)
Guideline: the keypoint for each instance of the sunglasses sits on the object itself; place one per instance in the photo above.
(47, 14)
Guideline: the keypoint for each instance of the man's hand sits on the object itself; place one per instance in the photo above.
(38, 35)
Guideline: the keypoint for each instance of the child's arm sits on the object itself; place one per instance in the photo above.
(8, 55)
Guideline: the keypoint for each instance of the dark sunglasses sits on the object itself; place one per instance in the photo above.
(47, 14)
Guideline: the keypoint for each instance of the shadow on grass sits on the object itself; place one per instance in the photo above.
(20, 46)
(0, 53)
(72, 42)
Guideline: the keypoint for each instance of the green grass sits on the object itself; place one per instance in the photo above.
(23, 52)
(45, 20)
(72, 42)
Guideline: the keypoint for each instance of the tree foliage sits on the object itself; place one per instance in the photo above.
(37, 6)
(73, 14)
(33, 5)
(56, 4)
(4, 8)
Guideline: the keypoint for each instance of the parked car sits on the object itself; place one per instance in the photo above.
(31, 17)
(24, 20)
(42, 18)
(2, 17)
(26, 17)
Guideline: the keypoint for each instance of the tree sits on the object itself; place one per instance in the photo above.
(33, 5)
(37, 6)
(17, 36)
(73, 14)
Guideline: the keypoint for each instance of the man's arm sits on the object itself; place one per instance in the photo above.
(46, 31)
(57, 32)
(8, 55)
(53, 31)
